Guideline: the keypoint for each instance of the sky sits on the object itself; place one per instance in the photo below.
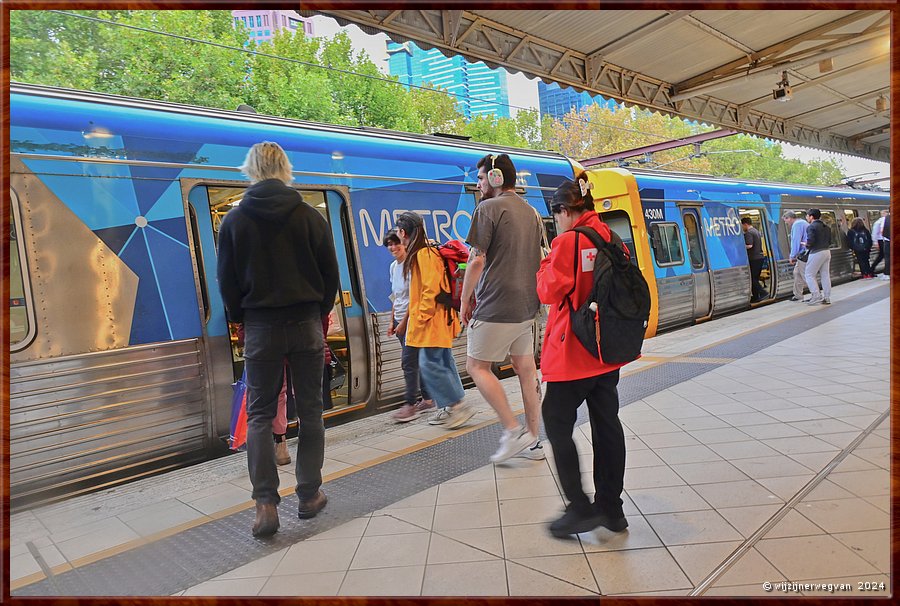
(523, 94)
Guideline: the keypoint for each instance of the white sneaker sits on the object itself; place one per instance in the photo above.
(535, 453)
(814, 300)
(439, 418)
(459, 415)
(512, 443)
(884, 277)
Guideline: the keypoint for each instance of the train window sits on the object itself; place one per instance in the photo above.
(21, 309)
(849, 215)
(666, 241)
(620, 223)
(693, 238)
(874, 215)
(829, 220)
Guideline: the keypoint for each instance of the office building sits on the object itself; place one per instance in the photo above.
(478, 89)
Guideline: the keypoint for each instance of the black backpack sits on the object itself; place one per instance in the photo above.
(618, 306)
(859, 242)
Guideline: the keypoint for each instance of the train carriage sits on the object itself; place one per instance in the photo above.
(121, 358)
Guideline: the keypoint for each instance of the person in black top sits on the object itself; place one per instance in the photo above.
(278, 275)
(886, 237)
(859, 240)
(818, 242)
(753, 243)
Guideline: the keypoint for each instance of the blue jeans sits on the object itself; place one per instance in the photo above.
(267, 343)
(439, 374)
(409, 362)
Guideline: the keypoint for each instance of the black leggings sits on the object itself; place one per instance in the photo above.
(560, 409)
(862, 257)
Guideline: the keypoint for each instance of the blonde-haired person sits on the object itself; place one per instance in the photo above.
(278, 275)
(432, 326)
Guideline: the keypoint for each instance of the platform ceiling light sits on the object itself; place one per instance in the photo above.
(783, 92)
(826, 65)
(881, 103)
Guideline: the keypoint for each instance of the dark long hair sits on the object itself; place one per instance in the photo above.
(569, 195)
(414, 226)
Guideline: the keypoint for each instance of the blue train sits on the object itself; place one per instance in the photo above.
(121, 358)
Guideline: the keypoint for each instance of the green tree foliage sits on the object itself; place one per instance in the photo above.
(596, 130)
(60, 50)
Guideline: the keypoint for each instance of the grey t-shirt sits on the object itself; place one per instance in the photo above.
(753, 239)
(509, 232)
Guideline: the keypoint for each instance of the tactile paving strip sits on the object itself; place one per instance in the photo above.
(198, 554)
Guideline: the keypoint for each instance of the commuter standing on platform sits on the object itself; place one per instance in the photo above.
(797, 229)
(409, 358)
(573, 375)
(877, 233)
(859, 240)
(432, 326)
(505, 237)
(753, 244)
(818, 241)
(278, 275)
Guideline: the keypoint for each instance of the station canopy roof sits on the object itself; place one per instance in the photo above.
(720, 67)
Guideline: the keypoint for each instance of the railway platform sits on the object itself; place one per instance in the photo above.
(757, 464)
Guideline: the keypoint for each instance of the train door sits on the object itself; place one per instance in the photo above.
(207, 204)
(768, 274)
(699, 263)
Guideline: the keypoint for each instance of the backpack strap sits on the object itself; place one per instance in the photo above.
(598, 241)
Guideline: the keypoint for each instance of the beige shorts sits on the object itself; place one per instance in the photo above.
(492, 341)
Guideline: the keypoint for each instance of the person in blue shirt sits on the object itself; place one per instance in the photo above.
(797, 226)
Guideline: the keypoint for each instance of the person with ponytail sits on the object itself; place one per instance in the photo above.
(431, 326)
(574, 376)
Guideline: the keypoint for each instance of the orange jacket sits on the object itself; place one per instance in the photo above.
(563, 357)
(428, 320)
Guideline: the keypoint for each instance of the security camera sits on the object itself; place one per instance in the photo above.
(782, 93)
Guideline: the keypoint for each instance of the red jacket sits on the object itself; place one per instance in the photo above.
(563, 357)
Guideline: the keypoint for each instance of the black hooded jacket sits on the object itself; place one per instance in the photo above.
(276, 253)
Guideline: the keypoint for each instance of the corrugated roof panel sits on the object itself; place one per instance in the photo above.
(640, 48)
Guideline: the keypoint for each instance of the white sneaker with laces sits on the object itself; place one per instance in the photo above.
(535, 453)
(439, 418)
(459, 415)
(512, 442)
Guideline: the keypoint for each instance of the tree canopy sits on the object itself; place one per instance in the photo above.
(324, 80)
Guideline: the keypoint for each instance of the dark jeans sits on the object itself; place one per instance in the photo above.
(409, 362)
(862, 257)
(880, 255)
(267, 343)
(887, 256)
(560, 409)
(756, 266)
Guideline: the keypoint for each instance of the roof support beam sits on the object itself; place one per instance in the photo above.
(656, 147)
(770, 52)
(635, 35)
(497, 44)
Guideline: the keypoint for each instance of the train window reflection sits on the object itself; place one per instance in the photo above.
(874, 215)
(693, 238)
(829, 220)
(666, 240)
(21, 320)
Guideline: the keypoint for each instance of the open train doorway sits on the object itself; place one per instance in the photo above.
(767, 275)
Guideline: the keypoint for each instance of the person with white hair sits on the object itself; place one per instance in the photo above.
(278, 275)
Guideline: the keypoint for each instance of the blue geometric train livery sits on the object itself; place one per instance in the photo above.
(121, 358)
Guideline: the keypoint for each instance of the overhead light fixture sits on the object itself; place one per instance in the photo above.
(881, 103)
(826, 65)
(783, 92)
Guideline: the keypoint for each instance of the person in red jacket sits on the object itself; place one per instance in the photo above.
(573, 375)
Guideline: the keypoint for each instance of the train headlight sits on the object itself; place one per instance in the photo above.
(607, 204)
